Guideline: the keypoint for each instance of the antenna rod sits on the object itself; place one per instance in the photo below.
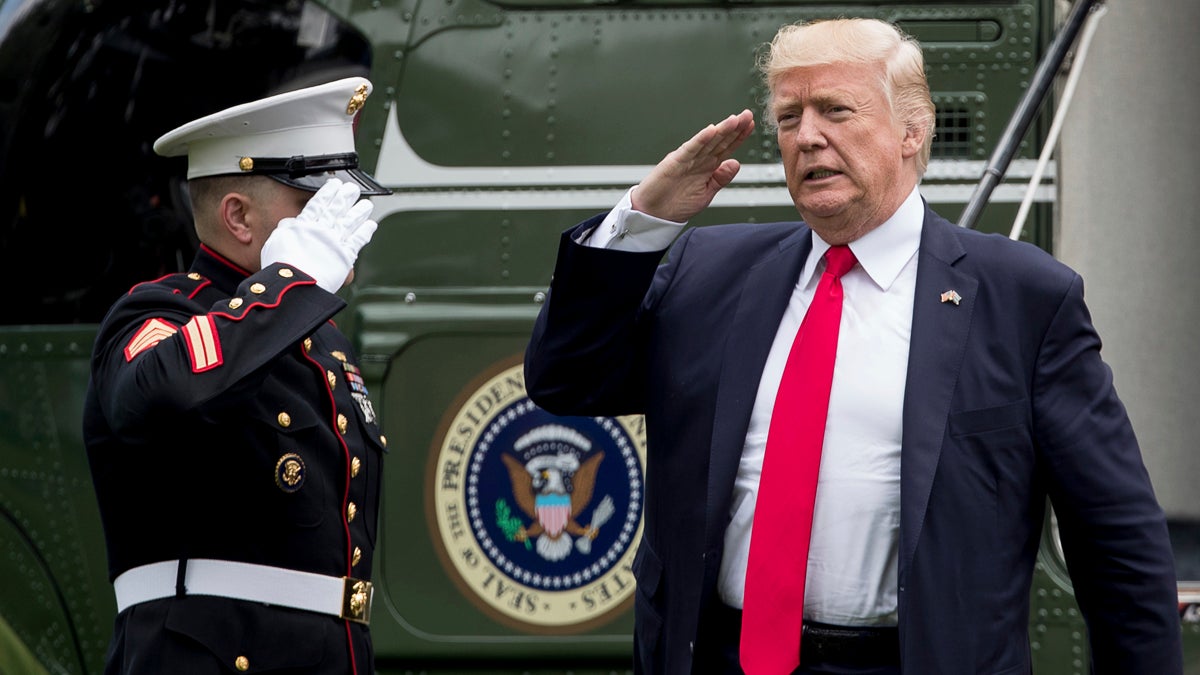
(1026, 110)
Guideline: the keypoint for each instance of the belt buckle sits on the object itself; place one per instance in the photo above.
(356, 600)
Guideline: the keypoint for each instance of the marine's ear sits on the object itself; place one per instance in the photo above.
(234, 216)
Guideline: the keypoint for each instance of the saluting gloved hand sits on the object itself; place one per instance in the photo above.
(324, 240)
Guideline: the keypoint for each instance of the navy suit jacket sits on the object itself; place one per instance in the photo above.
(1007, 403)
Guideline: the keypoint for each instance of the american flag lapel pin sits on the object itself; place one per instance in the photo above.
(951, 296)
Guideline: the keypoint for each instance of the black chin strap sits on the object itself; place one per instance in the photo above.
(180, 574)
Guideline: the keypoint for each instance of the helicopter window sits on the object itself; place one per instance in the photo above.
(87, 209)
(1185, 540)
(952, 133)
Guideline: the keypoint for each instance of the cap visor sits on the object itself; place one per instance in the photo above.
(313, 182)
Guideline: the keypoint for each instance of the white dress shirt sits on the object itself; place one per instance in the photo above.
(853, 551)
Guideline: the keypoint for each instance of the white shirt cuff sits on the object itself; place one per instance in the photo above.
(625, 229)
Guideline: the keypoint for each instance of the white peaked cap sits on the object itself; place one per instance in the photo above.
(300, 138)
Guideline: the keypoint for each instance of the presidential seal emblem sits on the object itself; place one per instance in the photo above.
(537, 516)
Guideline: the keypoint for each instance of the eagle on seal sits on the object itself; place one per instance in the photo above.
(540, 488)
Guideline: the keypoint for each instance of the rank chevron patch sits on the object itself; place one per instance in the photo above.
(151, 333)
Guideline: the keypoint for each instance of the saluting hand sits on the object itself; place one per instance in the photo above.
(324, 240)
(686, 180)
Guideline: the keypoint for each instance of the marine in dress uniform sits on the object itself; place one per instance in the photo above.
(236, 457)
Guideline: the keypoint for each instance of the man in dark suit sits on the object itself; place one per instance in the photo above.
(963, 388)
(236, 456)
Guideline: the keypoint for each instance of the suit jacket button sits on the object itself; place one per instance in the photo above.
(241, 663)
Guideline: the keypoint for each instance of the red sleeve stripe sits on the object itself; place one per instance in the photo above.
(204, 345)
(151, 333)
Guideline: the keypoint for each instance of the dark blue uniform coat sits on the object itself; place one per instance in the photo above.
(205, 387)
(1007, 402)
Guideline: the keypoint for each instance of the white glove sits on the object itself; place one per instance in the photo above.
(324, 240)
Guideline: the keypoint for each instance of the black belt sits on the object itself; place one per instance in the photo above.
(849, 645)
(820, 643)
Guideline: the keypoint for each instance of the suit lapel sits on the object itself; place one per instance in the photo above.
(936, 352)
(763, 298)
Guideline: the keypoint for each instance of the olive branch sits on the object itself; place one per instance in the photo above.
(508, 523)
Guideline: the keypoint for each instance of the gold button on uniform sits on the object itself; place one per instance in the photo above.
(357, 556)
(285, 273)
(235, 303)
(355, 467)
(351, 511)
(343, 423)
(285, 420)
(383, 440)
(194, 276)
(241, 663)
(339, 355)
(257, 289)
(332, 378)
(308, 344)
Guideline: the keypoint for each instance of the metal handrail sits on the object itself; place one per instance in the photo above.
(1027, 109)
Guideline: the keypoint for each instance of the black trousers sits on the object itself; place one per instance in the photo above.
(716, 651)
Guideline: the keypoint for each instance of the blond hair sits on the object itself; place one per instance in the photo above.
(866, 41)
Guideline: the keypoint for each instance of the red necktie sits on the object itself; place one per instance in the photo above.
(773, 607)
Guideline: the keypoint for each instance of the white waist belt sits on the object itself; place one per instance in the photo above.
(343, 597)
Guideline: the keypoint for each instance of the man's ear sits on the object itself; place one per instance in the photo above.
(914, 140)
(234, 211)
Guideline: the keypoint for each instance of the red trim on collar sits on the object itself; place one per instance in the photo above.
(225, 261)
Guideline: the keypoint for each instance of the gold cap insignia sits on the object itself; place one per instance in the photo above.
(357, 101)
(246, 164)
